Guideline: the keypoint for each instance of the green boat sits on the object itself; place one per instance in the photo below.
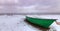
(40, 21)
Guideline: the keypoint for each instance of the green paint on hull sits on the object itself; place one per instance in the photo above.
(41, 22)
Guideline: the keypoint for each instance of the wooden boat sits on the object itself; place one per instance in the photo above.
(40, 21)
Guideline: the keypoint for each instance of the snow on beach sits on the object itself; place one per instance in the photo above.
(16, 22)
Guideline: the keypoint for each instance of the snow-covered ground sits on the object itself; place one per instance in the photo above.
(17, 23)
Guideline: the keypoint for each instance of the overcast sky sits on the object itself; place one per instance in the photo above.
(41, 5)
